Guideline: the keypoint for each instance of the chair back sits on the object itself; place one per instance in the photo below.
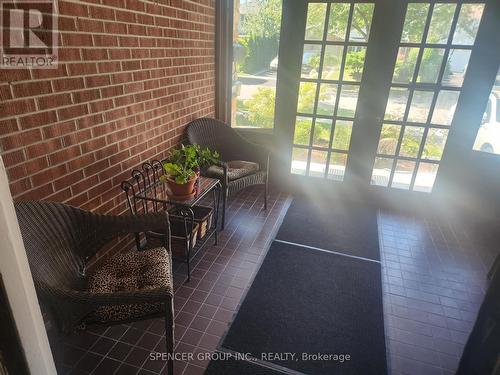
(216, 135)
(56, 240)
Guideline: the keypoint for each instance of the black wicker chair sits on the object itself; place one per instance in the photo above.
(134, 285)
(242, 163)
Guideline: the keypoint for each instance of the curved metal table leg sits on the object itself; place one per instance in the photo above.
(188, 215)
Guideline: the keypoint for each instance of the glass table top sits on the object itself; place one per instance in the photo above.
(159, 192)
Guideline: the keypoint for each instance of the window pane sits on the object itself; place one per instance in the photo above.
(307, 93)
(299, 161)
(420, 106)
(439, 29)
(302, 134)
(361, 22)
(316, 14)
(434, 144)
(405, 65)
(445, 107)
(389, 137)
(432, 58)
(382, 171)
(254, 68)
(317, 166)
(354, 63)
(337, 23)
(310, 61)
(454, 72)
(413, 29)
(336, 168)
(322, 131)
(468, 23)
(396, 104)
(488, 136)
(327, 97)
(348, 100)
(403, 174)
(331, 65)
(410, 143)
(342, 135)
(426, 176)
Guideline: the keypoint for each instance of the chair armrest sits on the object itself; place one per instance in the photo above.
(141, 222)
(103, 228)
(225, 178)
(112, 225)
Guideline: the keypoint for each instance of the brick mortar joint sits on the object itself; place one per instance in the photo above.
(90, 5)
(204, 109)
(86, 103)
(67, 76)
(105, 136)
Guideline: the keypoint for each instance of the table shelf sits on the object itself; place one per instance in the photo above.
(157, 195)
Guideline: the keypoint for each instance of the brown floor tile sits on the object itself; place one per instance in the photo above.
(433, 275)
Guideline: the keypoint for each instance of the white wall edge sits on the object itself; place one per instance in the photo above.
(19, 287)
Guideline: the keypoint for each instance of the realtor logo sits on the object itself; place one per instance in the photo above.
(28, 34)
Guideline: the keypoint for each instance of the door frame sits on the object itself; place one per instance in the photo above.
(387, 25)
(452, 183)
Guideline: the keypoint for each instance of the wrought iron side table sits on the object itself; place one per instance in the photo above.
(158, 194)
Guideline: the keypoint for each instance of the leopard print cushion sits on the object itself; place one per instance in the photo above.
(236, 169)
(131, 271)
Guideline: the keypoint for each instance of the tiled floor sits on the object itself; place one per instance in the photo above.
(204, 307)
(433, 280)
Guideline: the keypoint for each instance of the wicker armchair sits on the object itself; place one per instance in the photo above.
(59, 241)
(242, 163)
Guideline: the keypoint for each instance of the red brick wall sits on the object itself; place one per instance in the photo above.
(132, 74)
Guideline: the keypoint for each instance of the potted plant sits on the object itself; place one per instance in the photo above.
(183, 166)
(205, 158)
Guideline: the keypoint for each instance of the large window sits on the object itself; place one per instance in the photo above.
(488, 136)
(431, 64)
(256, 35)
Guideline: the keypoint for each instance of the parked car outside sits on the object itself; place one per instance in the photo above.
(274, 64)
(488, 136)
(306, 57)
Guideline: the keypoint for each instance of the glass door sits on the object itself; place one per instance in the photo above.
(434, 52)
(368, 89)
(333, 59)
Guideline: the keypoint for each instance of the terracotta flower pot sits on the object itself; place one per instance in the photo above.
(181, 189)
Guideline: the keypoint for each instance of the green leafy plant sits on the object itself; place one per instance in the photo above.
(179, 173)
(182, 163)
(261, 107)
(307, 93)
(206, 157)
(355, 61)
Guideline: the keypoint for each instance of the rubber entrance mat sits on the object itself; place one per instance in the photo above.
(237, 367)
(314, 312)
(341, 226)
